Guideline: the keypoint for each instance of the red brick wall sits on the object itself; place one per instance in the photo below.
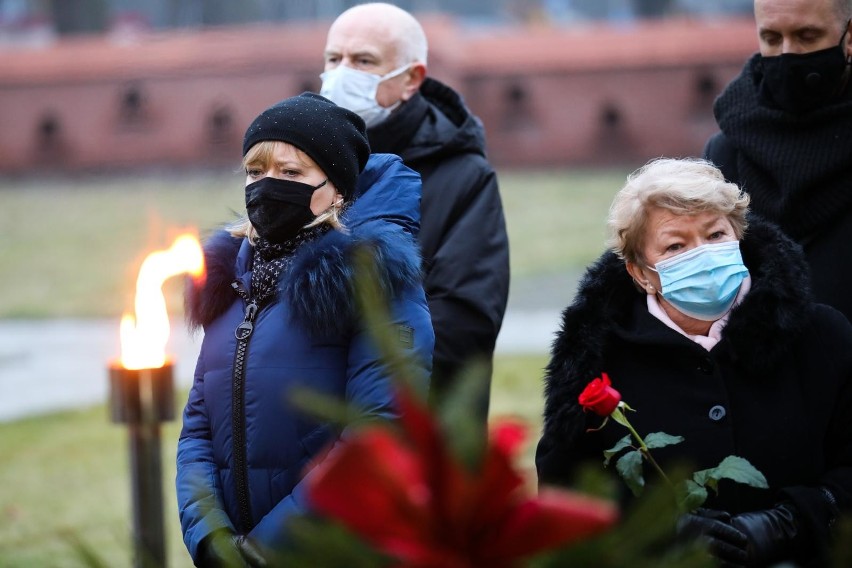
(546, 96)
(598, 117)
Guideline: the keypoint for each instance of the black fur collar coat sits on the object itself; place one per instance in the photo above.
(772, 390)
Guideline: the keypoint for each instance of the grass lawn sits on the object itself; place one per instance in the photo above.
(72, 248)
(556, 219)
(75, 246)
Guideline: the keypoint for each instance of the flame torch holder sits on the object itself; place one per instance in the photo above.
(143, 399)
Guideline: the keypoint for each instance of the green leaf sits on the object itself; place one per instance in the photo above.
(704, 477)
(661, 439)
(89, 555)
(374, 307)
(707, 478)
(326, 543)
(592, 480)
(629, 466)
(734, 468)
(469, 434)
(620, 445)
(325, 407)
(618, 416)
(693, 496)
(641, 539)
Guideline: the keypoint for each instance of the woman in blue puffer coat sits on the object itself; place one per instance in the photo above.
(278, 314)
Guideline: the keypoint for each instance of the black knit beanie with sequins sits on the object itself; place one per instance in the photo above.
(334, 137)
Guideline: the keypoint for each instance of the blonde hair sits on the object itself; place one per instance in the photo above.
(261, 156)
(683, 186)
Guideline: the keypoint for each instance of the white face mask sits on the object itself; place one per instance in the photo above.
(356, 91)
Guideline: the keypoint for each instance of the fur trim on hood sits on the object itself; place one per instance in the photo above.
(759, 330)
(205, 300)
(318, 285)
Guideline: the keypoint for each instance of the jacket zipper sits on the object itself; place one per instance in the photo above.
(243, 333)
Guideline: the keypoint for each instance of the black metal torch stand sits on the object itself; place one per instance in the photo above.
(143, 399)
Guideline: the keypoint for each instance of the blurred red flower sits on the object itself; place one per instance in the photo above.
(407, 495)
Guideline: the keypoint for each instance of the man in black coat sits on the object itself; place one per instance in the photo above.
(375, 65)
(786, 134)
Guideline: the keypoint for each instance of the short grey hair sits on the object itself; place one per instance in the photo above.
(843, 9)
(687, 186)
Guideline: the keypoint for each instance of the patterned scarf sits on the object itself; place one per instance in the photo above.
(270, 260)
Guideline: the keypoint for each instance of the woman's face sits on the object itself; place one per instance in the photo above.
(668, 235)
(289, 163)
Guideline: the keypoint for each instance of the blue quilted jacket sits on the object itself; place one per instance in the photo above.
(244, 449)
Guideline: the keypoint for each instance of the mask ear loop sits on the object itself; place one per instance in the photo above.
(647, 283)
(646, 287)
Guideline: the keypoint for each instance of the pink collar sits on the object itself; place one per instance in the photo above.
(714, 334)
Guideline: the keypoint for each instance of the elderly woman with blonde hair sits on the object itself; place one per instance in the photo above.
(279, 315)
(702, 318)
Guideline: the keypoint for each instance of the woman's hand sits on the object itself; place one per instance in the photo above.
(225, 549)
(714, 529)
(220, 549)
(772, 533)
(250, 552)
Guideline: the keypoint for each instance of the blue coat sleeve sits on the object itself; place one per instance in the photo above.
(197, 482)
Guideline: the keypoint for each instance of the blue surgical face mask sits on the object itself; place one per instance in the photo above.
(703, 282)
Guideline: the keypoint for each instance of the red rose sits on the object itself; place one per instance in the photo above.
(600, 397)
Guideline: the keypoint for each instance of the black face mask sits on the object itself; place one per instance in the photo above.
(278, 208)
(800, 82)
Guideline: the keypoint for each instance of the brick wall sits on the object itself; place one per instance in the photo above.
(547, 96)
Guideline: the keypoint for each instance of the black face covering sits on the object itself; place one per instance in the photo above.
(800, 82)
(278, 208)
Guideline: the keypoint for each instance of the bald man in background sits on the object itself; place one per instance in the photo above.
(375, 65)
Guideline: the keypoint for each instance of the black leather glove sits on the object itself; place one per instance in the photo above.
(251, 552)
(713, 528)
(221, 549)
(772, 533)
